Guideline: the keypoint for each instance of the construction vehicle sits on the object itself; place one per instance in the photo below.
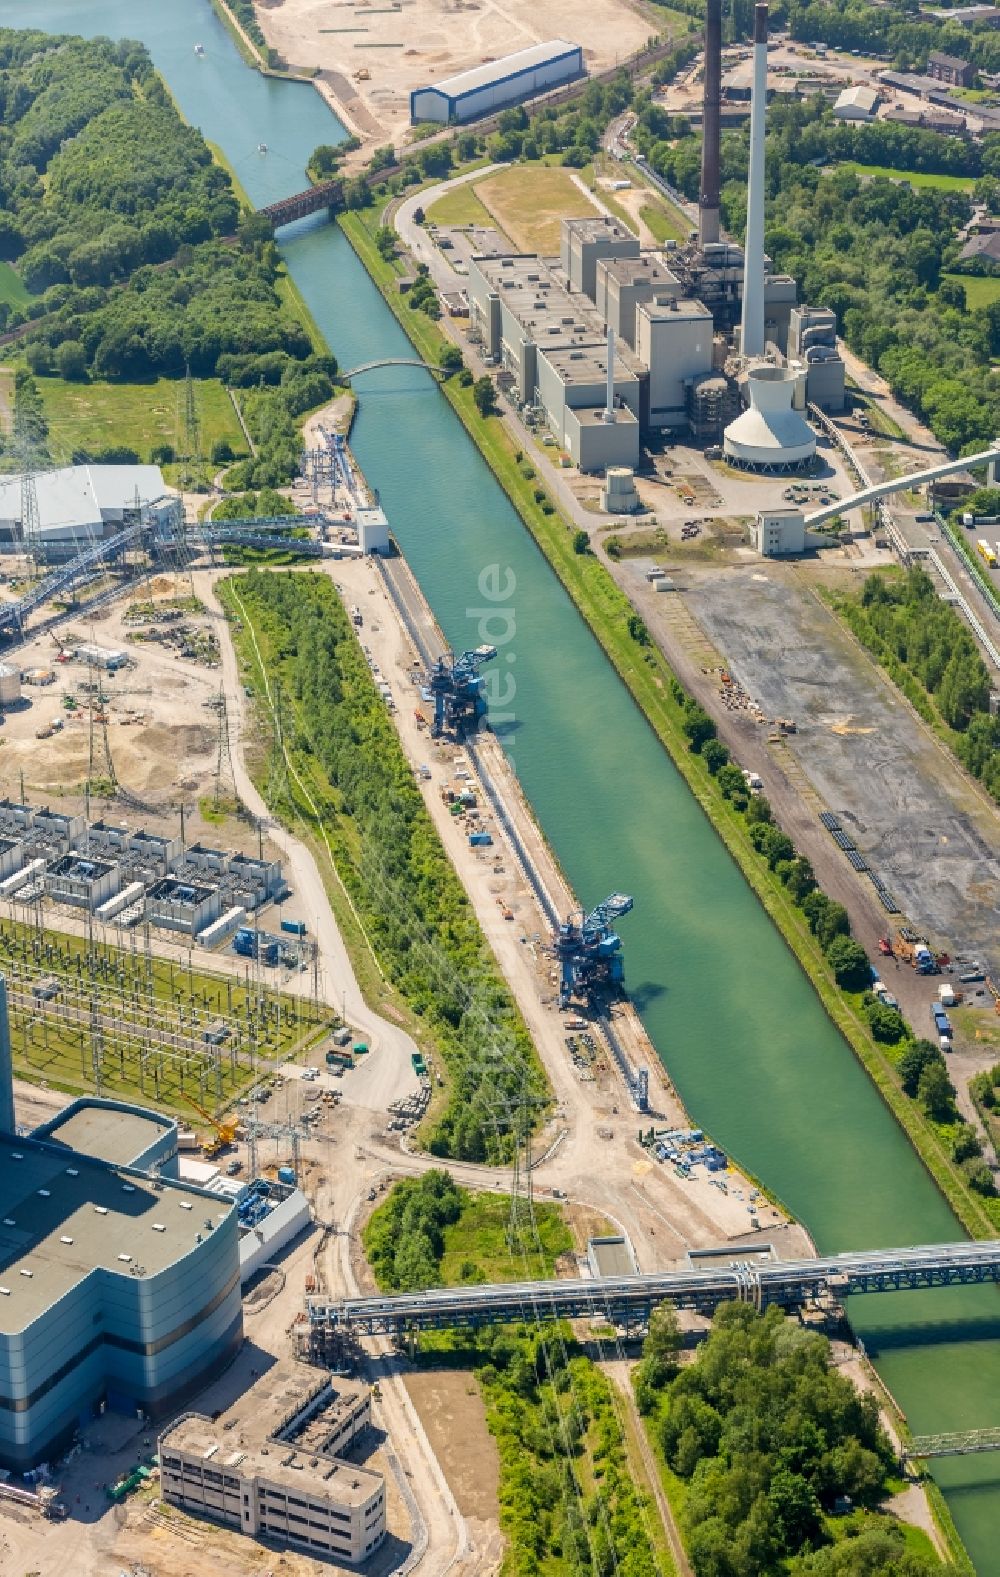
(225, 1132)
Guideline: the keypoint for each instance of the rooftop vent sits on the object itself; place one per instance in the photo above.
(9, 1221)
(65, 1240)
(128, 1188)
(45, 1193)
(72, 1171)
(102, 1210)
(4, 1292)
(16, 1155)
(126, 1259)
(158, 1226)
(28, 1273)
(186, 1204)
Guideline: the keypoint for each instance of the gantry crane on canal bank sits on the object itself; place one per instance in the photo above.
(457, 690)
(589, 950)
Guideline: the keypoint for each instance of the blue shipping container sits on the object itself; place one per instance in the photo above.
(294, 927)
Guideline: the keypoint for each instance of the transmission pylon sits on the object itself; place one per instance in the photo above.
(223, 755)
(192, 436)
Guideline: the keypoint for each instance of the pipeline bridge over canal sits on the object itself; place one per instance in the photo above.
(626, 1301)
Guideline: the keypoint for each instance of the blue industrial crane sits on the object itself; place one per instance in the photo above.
(589, 950)
(457, 691)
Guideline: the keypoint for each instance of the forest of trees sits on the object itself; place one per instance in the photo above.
(771, 1442)
(103, 186)
(391, 860)
(904, 619)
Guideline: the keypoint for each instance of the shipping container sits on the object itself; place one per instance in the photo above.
(294, 927)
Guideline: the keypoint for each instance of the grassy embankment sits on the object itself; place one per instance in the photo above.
(248, 49)
(137, 997)
(647, 674)
(528, 202)
(338, 767)
(573, 1494)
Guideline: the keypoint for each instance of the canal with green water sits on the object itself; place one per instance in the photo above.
(728, 1008)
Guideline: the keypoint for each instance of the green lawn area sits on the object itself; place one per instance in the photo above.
(137, 415)
(474, 1247)
(479, 1237)
(459, 207)
(979, 291)
(528, 202)
(666, 223)
(11, 287)
(945, 183)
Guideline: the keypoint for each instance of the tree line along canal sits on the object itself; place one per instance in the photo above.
(745, 1038)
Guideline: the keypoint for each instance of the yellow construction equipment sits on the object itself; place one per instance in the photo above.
(225, 1132)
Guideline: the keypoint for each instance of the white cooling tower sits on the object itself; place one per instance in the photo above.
(769, 435)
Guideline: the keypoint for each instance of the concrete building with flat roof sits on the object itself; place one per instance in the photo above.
(516, 304)
(489, 87)
(116, 1287)
(674, 340)
(622, 282)
(175, 904)
(585, 241)
(11, 856)
(272, 1465)
(575, 379)
(82, 880)
(113, 1131)
(256, 881)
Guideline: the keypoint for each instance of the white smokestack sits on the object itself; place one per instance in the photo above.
(752, 330)
(609, 413)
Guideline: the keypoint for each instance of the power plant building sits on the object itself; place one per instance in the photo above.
(624, 282)
(80, 504)
(608, 343)
(116, 1287)
(572, 390)
(487, 88)
(585, 242)
(674, 340)
(272, 1465)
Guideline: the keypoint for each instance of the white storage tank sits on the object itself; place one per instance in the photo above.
(10, 685)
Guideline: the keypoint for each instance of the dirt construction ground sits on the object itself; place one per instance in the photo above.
(406, 44)
(927, 832)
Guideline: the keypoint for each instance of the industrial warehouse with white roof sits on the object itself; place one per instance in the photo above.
(81, 504)
(497, 83)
